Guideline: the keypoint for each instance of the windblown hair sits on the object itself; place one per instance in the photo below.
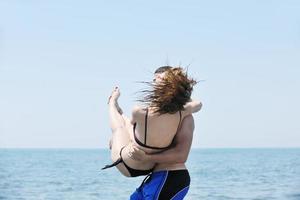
(162, 69)
(171, 93)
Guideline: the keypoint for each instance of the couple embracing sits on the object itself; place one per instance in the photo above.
(156, 140)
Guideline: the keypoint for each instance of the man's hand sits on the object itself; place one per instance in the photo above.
(137, 154)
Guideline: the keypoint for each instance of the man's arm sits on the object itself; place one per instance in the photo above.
(177, 154)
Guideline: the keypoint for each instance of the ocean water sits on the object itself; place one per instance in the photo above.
(237, 174)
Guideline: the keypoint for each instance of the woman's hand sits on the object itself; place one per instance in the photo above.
(137, 154)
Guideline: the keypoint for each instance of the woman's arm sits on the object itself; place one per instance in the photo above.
(192, 107)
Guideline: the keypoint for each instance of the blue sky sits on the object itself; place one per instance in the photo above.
(59, 61)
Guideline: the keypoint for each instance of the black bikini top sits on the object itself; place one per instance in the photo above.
(145, 138)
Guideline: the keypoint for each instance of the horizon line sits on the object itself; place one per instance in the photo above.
(103, 148)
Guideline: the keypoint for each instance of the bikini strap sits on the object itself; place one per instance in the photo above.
(146, 122)
(116, 162)
(180, 116)
(113, 164)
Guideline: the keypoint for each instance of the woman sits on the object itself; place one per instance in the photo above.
(154, 127)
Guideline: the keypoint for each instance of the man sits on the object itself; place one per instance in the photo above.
(170, 178)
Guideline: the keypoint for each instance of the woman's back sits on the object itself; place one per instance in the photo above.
(155, 132)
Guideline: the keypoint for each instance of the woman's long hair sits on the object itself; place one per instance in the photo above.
(171, 93)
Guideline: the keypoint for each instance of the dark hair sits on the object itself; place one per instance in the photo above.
(162, 69)
(171, 93)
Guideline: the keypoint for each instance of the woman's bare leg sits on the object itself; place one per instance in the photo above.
(115, 118)
(120, 135)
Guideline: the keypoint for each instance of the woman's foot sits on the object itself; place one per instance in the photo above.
(113, 98)
(115, 94)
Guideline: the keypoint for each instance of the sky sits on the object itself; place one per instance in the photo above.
(59, 61)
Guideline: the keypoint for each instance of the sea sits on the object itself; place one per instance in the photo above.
(216, 174)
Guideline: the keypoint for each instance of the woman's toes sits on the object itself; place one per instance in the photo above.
(116, 93)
